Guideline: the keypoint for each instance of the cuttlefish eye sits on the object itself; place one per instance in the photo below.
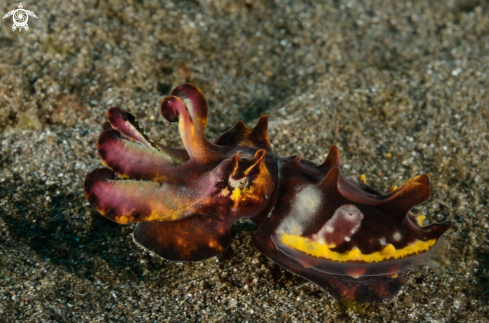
(245, 182)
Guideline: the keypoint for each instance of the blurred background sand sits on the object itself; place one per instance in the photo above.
(401, 87)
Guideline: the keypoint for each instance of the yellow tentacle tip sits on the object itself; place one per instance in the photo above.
(363, 178)
(392, 189)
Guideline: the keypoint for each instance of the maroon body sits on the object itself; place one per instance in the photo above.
(341, 234)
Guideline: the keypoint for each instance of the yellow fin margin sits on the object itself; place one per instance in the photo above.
(320, 250)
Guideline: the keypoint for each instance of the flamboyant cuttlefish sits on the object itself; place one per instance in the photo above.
(336, 231)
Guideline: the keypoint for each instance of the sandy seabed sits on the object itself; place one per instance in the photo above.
(401, 87)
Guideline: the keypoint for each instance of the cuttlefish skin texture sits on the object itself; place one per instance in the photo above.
(350, 239)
